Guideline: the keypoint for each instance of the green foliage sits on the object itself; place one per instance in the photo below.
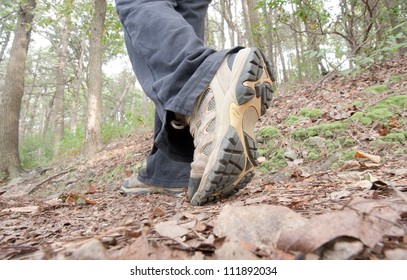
(376, 89)
(113, 175)
(393, 41)
(131, 124)
(113, 36)
(72, 143)
(36, 150)
(8, 17)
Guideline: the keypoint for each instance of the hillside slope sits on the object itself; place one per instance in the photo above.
(332, 185)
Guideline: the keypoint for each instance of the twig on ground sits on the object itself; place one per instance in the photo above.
(34, 188)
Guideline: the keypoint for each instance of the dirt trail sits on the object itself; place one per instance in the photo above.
(72, 210)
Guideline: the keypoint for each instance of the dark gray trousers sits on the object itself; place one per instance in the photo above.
(164, 40)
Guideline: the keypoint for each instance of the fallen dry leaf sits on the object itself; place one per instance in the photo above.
(364, 185)
(232, 250)
(141, 249)
(74, 198)
(344, 248)
(171, 229)
(396, 254)
(350, 176)
(91, 250)
(373, 158)
(366, 220)
(269, 187)
(257, 224)
(157, 212)
(394, 123)
(128, 173)
(133, 234)
(26, 209)
(384, 131)
(381, 129)
(350, 164)
(91, 189)
(337, 115)
(340, 195)
(138, 250)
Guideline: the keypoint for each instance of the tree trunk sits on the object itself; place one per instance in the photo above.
(33, 110)
(269, 44)
(29, 95)
(282, 59)
(47, 113)
(226, 12)
(118, 110)
(227, 15)
(394, 18)
(4, 44)
(73, 121)
(246, 16)
(251, 19)
(10, 103)
(298, 53)
(59, 113)
(93, 141)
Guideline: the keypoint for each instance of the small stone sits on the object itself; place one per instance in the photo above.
(343, 250)
(290, 155)
(396, 254)
(91, 250)
(316, 142)
(233, 251)
(259, 224)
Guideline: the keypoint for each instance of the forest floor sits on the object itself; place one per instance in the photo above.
(332, 185)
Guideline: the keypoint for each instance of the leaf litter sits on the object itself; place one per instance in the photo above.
(305, 210)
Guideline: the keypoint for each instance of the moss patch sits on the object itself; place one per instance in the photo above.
(312, 156)
(292, 119)
(357, 103)
(267, 133)
(311, 113)
(396, 79)
(386, 109)
(276, 161)
(395, 137)
(304, 133)
(376, 89)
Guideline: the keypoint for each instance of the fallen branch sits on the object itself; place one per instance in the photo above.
(34, 188)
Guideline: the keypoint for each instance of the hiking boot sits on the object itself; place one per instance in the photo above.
(133, 186)
(222, 124)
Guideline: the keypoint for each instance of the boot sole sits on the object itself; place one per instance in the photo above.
(231, 166)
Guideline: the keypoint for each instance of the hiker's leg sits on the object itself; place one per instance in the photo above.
(194, 12)
(162, 171)
(171, 62)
